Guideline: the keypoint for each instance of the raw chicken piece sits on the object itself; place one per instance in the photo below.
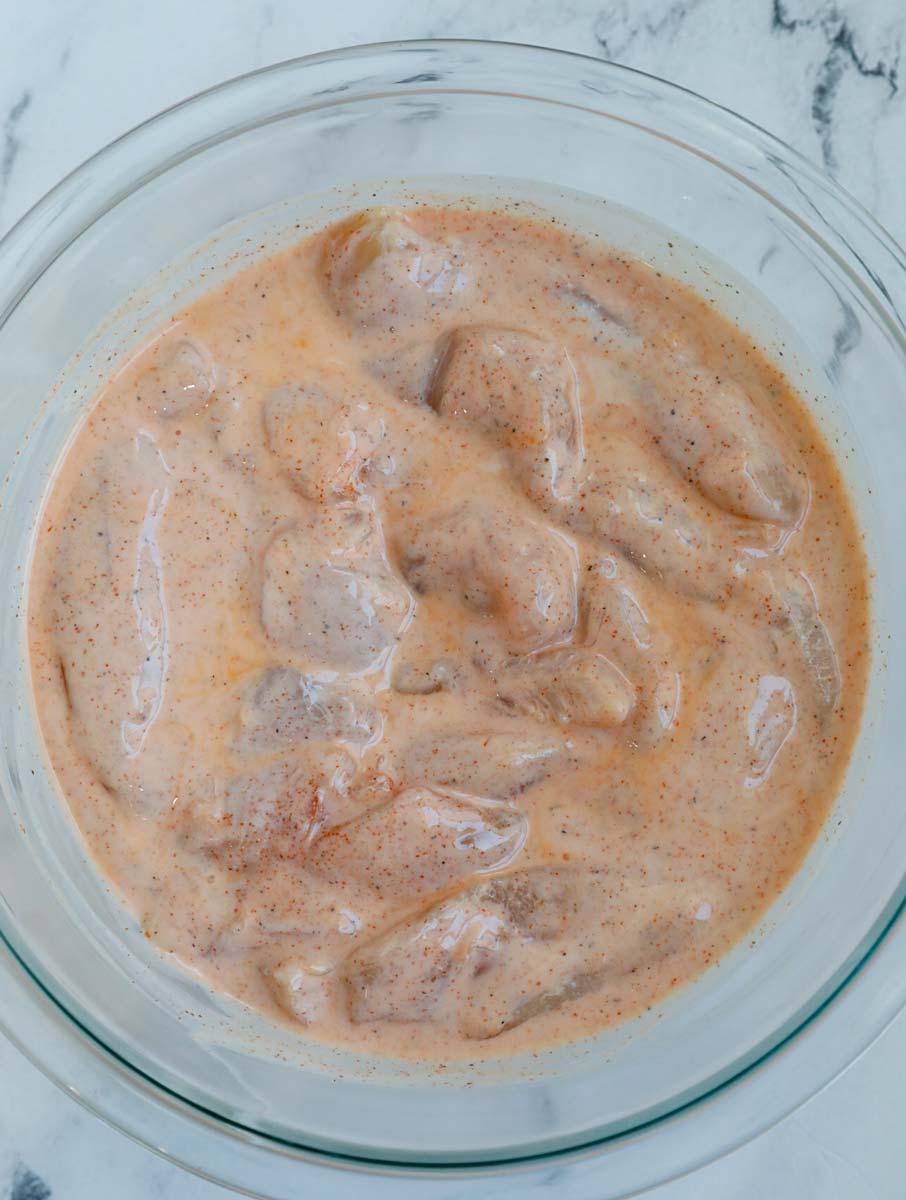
(364, 875)
(116, 703)
(484, 762)
(270, 809)
(512, 948)
(522, 393)
(281, 706)
(714, 435)
(629, 619)
(621, 614)
(382, 273)
(632, 499)
(329, 593)
(608, 930)
(179, 377)
(427, 968)
(325, 434)
(574, 687)
(734, 453)
(498, 562)
(799, 616)
(420, 843)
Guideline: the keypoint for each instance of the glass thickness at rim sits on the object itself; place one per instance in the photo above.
(32, 224)
(707, 115)
(440, 1169)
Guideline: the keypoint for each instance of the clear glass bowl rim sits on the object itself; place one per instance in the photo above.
(24, 257)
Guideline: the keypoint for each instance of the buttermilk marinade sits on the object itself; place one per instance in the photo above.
(449, 634)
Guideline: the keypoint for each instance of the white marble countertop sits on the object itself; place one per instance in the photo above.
(824, 75)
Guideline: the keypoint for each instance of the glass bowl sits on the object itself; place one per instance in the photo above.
(188, 197)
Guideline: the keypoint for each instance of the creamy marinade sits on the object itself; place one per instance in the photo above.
(449, 633)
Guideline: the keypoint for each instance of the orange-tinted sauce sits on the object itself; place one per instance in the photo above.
(449, 635)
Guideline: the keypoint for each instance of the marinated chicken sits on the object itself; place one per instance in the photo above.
(449, 633)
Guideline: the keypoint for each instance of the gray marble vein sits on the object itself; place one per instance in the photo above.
(843, 53)
(12, 142)
(618, 26)
(847, 336)
(26, 1185)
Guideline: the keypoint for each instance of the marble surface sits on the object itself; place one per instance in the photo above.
(827, 76)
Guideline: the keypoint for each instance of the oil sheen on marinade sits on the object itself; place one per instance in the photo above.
(448, 634)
